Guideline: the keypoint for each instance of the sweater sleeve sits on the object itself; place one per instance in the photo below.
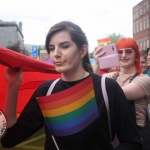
(144, 82)
(29, 122)
(122, 121)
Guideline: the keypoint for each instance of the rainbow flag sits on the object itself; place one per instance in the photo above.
(70, 111)
(101, 42)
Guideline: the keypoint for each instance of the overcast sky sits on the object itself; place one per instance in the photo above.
(97, 18)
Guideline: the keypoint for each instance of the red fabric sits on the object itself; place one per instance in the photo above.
(34, 73)
(13, 59)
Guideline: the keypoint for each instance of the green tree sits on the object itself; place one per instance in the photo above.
(114, 37)
(17, 48)
(91, 55)
(41, 47)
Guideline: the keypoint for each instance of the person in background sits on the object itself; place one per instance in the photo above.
(77, 116)
(148, 56)
(143, 60)
(135, 85)
(147, 71)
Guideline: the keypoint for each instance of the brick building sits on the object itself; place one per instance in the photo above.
(141, 24)
(11, 34)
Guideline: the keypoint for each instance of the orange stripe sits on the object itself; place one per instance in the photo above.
(69, 92)
(68, 100)
(104, 40)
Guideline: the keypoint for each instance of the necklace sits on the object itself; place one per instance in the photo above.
(76, 83)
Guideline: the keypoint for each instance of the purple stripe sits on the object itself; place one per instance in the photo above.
(77, 128)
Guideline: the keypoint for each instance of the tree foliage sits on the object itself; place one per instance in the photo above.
(115, 37)
(40, 48)
(17, 48)
(91, 55)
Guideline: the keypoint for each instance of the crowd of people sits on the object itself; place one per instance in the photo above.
(75, 115)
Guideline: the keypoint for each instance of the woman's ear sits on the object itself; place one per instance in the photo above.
(84, 50)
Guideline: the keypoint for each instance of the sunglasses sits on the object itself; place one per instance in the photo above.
(127, 51)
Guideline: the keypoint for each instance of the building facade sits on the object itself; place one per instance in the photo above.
(141, 24)
(11, 34)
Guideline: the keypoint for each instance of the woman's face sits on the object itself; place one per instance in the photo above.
(127, 57)
(148, 58)
(143, 63)
(64, 53)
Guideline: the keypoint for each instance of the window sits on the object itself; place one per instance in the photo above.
(147, 7)
(137, 28)
(141, 26)
(144, 10)
(144, 24)
(137, 14)
(134, 16)
(144, 44)
(134, 29)
(140, 11)
(148, 43)
(147, 23)
(140, 45)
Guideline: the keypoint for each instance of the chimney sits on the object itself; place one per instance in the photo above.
(20, 26)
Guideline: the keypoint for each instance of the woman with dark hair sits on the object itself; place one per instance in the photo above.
(136, 86)
(143, 60)
(148, 56)
(74, 115)
(147, 71)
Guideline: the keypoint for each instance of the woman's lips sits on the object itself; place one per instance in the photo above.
(124, 60)
(59, 63)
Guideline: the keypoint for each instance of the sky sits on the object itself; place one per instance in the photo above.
(97, 18)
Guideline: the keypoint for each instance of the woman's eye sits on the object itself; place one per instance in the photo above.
(51, 49)
(65, 46)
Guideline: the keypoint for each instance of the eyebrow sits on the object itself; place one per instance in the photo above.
(65, 42)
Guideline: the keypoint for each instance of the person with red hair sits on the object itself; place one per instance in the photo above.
(135, 85)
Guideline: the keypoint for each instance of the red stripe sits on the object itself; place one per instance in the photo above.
(66, 101)
(66, 93)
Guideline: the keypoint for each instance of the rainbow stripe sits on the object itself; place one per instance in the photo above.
(101, 42)
(70, 111)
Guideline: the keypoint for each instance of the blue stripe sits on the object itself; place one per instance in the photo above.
(75, 121)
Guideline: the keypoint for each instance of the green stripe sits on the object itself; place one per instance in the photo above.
(71, 115)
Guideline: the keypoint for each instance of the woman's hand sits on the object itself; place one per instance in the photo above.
(96, 55)
(97, 52)
(13, 76)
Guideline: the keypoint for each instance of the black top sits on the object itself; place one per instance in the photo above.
(95, 136)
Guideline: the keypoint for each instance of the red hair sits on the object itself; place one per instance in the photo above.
(130, 43)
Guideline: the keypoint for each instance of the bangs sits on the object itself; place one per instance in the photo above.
(130, 43)
(127, 43)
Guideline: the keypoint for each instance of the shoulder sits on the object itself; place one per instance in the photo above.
(114, 74)
(142, 78)
(143, 81)
(110, 83)
(43, 88)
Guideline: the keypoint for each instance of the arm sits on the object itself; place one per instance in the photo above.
(139, 88)
(13, 78)
(29, 122)
(96, 55)
(133, 91)
(122, 121)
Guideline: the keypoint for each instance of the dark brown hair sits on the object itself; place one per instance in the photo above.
(77, 36)
(143, 54)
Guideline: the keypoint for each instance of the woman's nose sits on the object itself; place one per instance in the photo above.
(57, 52)
(123, 54)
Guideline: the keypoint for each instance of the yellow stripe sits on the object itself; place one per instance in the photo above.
(71, 107)
(31, 140)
